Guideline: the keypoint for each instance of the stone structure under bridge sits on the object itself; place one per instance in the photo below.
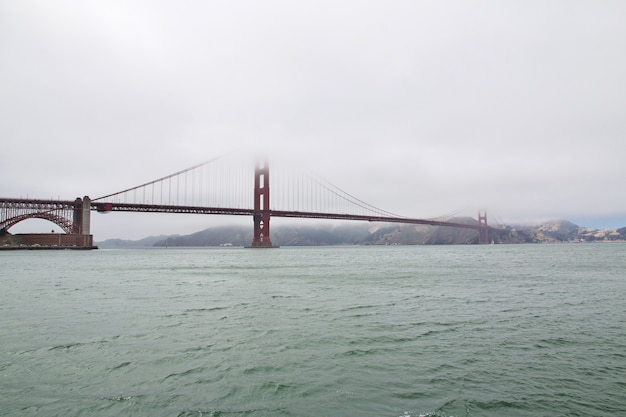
(73, 217)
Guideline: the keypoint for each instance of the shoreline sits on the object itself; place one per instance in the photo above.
(48, 248)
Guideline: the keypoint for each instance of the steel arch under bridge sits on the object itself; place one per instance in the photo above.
(71, 216)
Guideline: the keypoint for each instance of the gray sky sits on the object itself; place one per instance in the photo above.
(418, 107)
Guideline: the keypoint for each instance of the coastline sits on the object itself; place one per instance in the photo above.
(48, 248)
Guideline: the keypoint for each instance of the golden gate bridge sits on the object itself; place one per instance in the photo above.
(221, 186)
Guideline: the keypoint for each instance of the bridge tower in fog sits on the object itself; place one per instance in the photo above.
(261, 215)
(483, 229)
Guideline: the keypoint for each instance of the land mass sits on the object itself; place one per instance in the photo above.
(381, 234)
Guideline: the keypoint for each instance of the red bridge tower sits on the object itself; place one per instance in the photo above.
(261, 215)
(483, 229)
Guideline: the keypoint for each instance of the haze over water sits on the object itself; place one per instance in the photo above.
(497, 330)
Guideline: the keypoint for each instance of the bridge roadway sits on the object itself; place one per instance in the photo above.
(156, 208)
(66, 212)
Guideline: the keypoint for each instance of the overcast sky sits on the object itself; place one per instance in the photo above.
(417, 107)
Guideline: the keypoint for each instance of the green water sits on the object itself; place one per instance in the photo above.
(496, 330)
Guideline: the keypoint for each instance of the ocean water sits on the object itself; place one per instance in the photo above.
(397, 331)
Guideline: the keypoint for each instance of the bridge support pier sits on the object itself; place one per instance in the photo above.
(82, 220)
(261, 217)
(85, 230)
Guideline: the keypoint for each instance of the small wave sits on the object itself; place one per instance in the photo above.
(437, 331)
(199, 348)
(262, 369)
(553, 341)
(358, 307)
(118, 398)
(428, 414)
(66, 347)
(363, 352)
(221, 413)
(461, 406)
(276, 388)
(204, 310)
(97, 343)
(396, 339)
(121, 365)
(185, 373)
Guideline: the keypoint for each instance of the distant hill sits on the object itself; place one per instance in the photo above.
(380, 234)
(564, 231)
(214, 236)
(120, 243)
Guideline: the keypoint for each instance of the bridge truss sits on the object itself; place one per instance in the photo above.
(65, 214)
